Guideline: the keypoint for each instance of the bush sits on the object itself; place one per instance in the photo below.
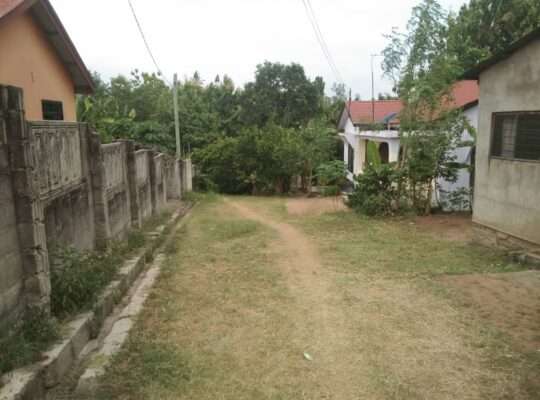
(333, 190)
(23, 344)
(78, 277)
(332, 173)
(203, 183)
(376, 192)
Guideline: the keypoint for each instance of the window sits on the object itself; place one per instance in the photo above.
(516, 135)
(350, 159)
(52, 110)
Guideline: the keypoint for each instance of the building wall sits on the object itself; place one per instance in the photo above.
(30, 62)
(507, 192)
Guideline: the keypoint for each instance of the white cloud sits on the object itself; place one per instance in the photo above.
(233, 36)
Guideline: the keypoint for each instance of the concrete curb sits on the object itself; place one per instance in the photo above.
(32, 382)
(111, 344)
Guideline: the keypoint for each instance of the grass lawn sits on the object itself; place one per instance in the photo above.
(259, 303)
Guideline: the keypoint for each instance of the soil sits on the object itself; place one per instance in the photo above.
(316, 206)
(324, 332)
(510, 301)
(259, 311)
(455, 227)
(367, 332)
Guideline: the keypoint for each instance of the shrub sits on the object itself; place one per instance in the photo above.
(333, 190)
(332, 173)
(78, 277)
(23, 344)
(377, 190)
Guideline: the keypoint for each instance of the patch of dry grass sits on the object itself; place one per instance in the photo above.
(232, 314)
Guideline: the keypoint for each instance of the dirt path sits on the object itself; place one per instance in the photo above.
(321, 323)
(255, 283)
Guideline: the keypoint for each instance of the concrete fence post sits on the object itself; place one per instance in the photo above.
(153, 181)
(97, 173)
(29, 210)
(187, 176)
(134, 200)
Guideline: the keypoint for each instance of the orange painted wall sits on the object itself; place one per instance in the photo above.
(29, 61)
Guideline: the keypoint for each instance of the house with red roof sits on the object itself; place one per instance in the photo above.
(39, 57)
(377, 121)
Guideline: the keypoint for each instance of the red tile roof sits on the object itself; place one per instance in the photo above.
(464, 93)
(361, 111)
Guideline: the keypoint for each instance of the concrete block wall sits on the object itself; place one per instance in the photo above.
(59, 186)
(160, 183)
(117, 189)
(144, 187)
(173, 178)
(11, 266)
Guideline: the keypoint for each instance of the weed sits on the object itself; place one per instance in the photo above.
(135, 240)
(78, 277)
(162, 364)
(24, 343)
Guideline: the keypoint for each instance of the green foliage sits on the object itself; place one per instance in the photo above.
(24, 343)
(372, 154)
(264, 160)
(244, 140)
(459, 200)
(426, 70)
(77, 278)
(486, 27)
(331, 191)
(377, 190)
(281, 94)
(332, 173)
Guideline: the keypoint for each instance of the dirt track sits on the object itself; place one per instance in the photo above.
(259, 282)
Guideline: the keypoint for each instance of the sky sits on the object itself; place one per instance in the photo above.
(233, 36)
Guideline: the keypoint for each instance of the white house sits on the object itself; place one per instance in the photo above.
(356, 130)
(506, 209)
(355, 127)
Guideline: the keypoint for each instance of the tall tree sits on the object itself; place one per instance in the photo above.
(425, 70)
(485, 27)
(281, 94)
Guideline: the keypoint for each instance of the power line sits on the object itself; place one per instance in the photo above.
(320, 38)
(340, 77)
(146, 42)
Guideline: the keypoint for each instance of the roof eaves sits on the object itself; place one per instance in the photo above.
(85, 84)
(17, 8)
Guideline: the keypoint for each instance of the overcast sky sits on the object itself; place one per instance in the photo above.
(233, 36)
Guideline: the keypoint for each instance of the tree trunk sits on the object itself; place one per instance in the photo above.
(427, 209)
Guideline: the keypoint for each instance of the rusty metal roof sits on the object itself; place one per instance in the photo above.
(45, 16)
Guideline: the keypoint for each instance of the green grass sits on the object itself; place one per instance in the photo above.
(78, 277)
(226, 319)
(24, 344)
(353, 243)
(226, 258)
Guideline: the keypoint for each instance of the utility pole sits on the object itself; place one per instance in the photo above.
(373, 88)
(176, 122)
